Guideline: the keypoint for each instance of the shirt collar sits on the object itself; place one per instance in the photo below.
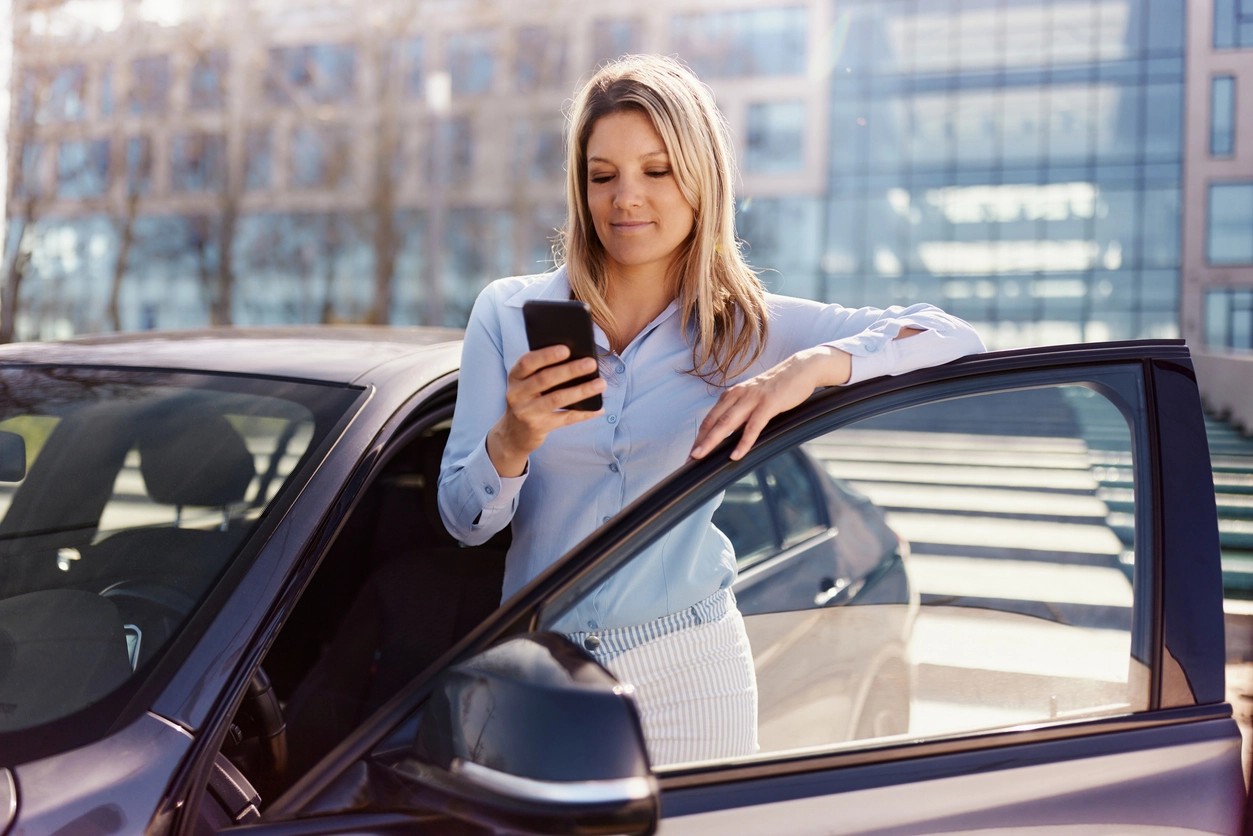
(554, 285)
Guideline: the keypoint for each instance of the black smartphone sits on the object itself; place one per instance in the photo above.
(568, 323)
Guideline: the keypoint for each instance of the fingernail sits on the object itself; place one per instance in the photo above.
(696, 453)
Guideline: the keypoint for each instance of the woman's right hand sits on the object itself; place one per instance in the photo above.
(530, 415)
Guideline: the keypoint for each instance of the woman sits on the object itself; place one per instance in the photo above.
(691, 349)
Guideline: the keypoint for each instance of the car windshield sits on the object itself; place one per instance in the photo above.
(124, 497)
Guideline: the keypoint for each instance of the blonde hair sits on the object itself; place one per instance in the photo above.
(720, 298)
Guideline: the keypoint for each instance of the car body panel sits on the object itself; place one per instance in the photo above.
(333, 354)
(74, 793)
(1042, 787)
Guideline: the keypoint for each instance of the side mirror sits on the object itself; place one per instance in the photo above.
(12, 457)
(533, 735)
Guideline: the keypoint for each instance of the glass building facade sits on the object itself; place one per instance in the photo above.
(1018, 162)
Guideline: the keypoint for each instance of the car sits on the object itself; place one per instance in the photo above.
(227, 603)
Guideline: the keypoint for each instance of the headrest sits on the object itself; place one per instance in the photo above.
(193, 456)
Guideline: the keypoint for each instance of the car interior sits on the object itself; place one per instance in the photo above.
(392, 594)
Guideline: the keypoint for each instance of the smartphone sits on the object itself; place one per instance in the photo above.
(568, 323)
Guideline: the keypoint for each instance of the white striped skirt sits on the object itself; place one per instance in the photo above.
(692, 672)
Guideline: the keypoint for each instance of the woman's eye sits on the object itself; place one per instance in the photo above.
(600, 178)
(660, 172)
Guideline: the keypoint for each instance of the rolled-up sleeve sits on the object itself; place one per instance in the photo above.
(877, 351)
(475, 502)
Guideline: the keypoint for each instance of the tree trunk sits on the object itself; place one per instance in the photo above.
(10, 299)
(126, 236)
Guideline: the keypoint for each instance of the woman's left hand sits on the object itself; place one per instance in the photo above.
(750, 405)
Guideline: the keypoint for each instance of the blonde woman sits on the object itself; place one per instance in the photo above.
(691, 349)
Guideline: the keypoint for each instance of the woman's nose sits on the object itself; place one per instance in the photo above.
(628, 194)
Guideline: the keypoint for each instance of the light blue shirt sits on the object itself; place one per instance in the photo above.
(585, 473)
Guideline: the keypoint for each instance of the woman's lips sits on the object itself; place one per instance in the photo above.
(629, 226)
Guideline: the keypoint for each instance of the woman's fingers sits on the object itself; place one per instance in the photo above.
(531, 362)
(536, 395)
(548, 378)
(750, 405)
(748, 412)
(725, 418)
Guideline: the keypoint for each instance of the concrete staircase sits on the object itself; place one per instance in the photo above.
(1231, 455)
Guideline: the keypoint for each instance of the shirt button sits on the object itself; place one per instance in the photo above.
(591, 642)
(489, 490)
(620, 369)
(604, 519)
(614, 467)
(613, 419)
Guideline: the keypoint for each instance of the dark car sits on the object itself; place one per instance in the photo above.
(227, 603)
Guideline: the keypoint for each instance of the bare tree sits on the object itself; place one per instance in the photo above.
(25, 197)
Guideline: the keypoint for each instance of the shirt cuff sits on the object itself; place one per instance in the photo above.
(494, 492)
(878, 353)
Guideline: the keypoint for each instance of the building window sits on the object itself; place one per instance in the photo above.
(321, 157)
(83, 168)
(197, 162)
(29, 181)
(1233, 24)
(1229, 236)
(451, 152)
(776, 137)
(138, 165)
(1229, 318)
(410, 59)
(614, 38)
(53, 94)
(208, 80)
(108, 99)
(539, 59)
(539, 150)
(1222, 119)
(316, 73)
(758, 42)
(258, 159)
(470, 61)
(150, 85)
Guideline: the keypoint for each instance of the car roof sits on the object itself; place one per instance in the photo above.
(330, 353)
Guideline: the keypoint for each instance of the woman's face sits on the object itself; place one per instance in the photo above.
(641, 217)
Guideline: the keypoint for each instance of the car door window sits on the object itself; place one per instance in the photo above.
(744, 516)
(955, 565)
(799, 508)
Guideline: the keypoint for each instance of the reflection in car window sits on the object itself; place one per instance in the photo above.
(744, 516)
(953, 580)
(138, 490)
(788, 480)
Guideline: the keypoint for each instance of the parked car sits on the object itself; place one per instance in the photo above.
(226, 604)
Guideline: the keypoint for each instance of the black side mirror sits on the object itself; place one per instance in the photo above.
(12, 457)
(533, 735)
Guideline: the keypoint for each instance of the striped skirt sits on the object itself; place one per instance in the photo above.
(692, 671)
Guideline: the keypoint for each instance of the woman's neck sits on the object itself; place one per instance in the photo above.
(635, 302)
